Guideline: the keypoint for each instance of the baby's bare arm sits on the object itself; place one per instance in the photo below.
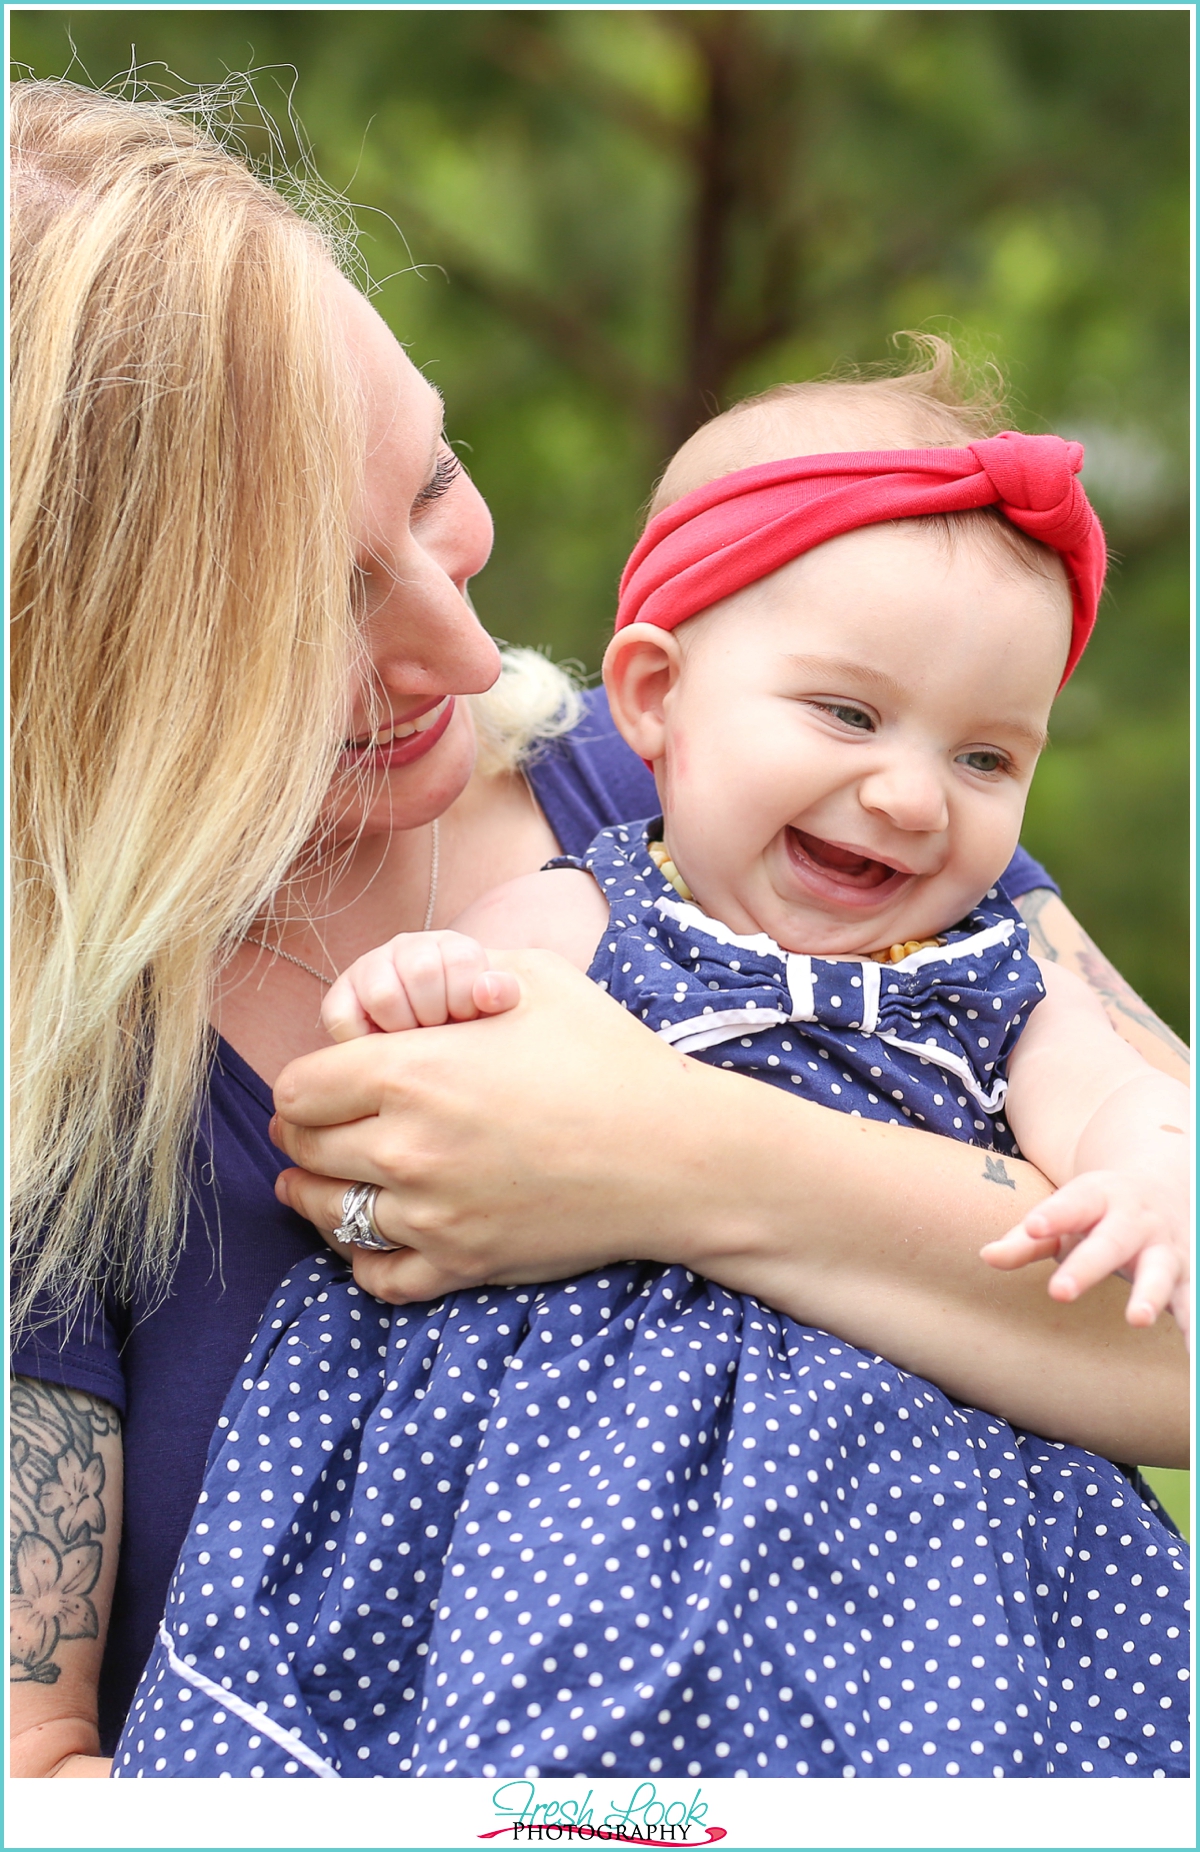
(1067, 1063)
(1112, 1131)
(556, 910)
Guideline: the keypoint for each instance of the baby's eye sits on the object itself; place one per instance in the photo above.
(856, 717)
(983, 760)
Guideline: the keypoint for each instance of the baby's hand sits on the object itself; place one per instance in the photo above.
(417, 981)
(1108, 1221)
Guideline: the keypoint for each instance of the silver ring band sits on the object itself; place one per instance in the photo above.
(366, 1215)
(359, 1228)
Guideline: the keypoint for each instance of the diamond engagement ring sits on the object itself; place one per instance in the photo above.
(358, 1226)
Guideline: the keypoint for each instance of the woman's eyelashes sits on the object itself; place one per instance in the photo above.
(445, 471)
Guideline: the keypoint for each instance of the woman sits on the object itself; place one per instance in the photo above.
(229, 785)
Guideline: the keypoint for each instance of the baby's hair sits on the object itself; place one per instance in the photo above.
(940, 403)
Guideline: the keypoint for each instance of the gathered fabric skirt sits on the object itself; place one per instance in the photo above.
(635, 1523)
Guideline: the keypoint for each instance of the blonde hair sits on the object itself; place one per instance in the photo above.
(533, 702)
(938, 401)
(186, 451)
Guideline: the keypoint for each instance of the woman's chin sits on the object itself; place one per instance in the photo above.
(373, 803)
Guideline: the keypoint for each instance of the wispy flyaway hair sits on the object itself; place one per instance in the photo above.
(185, 458)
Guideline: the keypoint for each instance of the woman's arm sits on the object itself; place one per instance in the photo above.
(561, 1137)
(1057, 937)
(65, 1527)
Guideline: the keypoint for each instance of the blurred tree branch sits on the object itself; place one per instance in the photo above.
(568, 330)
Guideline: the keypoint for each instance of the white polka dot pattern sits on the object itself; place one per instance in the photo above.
(634, 1523)
(923, 1042)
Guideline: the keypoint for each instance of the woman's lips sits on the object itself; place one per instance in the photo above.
(403, 740)
(834, 872)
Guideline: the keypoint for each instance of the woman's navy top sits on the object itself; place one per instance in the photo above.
(167, 1370)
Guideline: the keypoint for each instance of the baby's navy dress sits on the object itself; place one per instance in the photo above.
(635, 1523)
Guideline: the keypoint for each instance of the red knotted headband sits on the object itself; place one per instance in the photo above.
(741, 527)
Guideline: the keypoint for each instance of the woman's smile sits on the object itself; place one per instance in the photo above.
(399, 742)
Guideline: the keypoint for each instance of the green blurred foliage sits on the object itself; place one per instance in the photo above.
(615, 222)
(1173, 1492)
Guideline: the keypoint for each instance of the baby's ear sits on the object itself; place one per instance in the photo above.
(641, 666)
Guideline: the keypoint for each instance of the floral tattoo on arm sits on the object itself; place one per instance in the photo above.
(1117, 996)
(56, 1519)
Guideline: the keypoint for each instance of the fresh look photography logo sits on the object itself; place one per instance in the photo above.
(642, 1819)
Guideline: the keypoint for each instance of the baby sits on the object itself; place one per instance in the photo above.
(632, 1522)
(843, 721)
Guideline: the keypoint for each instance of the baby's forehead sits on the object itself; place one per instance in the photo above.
(909, 589)
(807, 421)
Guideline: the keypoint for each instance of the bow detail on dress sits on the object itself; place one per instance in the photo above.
(940, 1005)
(959, 1007)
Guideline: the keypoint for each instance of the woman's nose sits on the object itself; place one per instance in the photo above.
(908, 791)
(428, 639)
(425, 634)
(456, 532)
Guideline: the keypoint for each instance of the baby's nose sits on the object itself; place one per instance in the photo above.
(909, 793)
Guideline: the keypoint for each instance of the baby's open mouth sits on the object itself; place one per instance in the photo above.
(844, 866)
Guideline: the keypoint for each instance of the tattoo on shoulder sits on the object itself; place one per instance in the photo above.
(994, 1172)
(1118, 997)
(56, 1521)
(1031, 907)
(1116, 994)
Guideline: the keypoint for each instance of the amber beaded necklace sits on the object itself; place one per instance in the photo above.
(890, 955)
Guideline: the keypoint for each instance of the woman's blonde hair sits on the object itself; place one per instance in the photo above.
(185, 456)
(533, 702)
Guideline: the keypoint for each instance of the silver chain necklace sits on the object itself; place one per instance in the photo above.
(322, 977)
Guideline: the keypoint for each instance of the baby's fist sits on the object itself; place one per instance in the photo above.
(418, 980)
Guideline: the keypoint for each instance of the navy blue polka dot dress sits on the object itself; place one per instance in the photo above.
(634, 1523)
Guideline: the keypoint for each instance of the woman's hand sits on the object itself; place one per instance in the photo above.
(561, 1136)
(499, 1159)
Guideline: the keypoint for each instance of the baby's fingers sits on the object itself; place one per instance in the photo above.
(342, 1015)
(495, 991)
(465, 964)
(1018, 1248)
(1075, 1210)
(1155, 1277)
(1051, 1227)
(371, 991)
(1108, 1249)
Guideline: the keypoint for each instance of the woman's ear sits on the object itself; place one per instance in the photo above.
(641, 666)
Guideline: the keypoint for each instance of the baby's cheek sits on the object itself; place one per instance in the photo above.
(986, 842)
(679, 756)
